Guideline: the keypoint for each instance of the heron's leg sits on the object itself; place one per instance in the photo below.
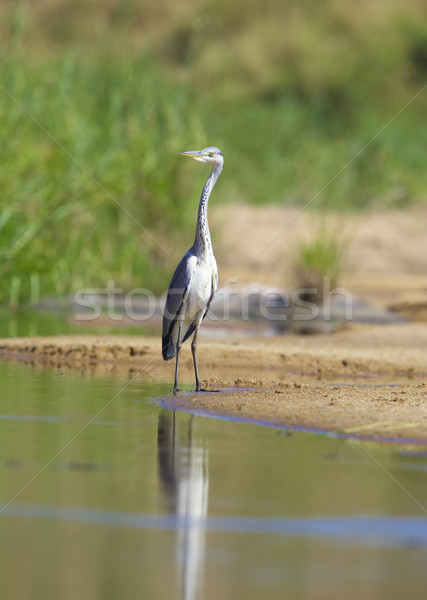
(196, 371)
(178, 348)
(193, 351)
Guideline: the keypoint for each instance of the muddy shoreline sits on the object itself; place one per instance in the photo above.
(364, 379)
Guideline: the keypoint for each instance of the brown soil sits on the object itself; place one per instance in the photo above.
(337, 382)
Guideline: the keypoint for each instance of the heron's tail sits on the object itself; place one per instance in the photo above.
(168, 349)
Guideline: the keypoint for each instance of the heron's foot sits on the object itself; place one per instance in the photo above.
(176, 390)
(200, 389)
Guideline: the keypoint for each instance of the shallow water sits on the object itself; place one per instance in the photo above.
(106, 495)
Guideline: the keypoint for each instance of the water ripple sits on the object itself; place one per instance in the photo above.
(373, 530)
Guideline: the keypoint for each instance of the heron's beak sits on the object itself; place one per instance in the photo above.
(197, 154)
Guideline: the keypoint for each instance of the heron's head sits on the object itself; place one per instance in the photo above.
(209, 155)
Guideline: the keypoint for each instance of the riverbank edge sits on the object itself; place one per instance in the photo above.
(345, 383)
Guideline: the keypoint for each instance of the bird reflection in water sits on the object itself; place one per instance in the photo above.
(183, 472)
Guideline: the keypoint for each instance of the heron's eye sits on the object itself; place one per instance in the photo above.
(211, 153)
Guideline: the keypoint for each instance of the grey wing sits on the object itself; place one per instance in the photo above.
(178, 290)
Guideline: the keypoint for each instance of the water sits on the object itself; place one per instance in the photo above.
(106, 495)
(29, 323)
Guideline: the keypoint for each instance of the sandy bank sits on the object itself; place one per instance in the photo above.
(363, 379)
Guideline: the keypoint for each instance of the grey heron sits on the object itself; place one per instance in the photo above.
(195, 280)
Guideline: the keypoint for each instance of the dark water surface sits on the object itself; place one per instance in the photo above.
(105, 495)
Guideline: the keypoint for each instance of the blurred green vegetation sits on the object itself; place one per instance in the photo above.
(98, 98)
(319, 256)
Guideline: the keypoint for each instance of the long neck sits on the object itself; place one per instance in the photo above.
(202, 242)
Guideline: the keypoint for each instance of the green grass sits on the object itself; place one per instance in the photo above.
(89, 139)
(94, 111)
(321, 255)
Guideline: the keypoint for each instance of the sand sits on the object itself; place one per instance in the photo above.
(364, 379)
